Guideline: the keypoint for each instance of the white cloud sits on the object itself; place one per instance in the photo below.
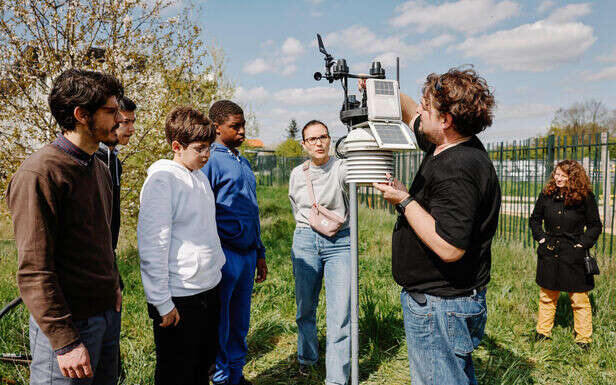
(256, 66)
(292, 47)
(525, 110)
(281, 61)
(387, 59)
(546, 5)
(304, 97)
(364, 41)
(312, 96)
(361, 39)
(257, 94)
(534, 47)
(608, 73)
(467, 16)
(289, 70)
(438, 41)
(608, 57)
(569, 13)
(284, 60)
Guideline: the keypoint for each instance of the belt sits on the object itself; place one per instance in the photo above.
(420, 298)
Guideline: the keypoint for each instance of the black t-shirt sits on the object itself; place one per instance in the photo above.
(460, 189)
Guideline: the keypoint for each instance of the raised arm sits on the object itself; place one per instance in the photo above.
(409, 108)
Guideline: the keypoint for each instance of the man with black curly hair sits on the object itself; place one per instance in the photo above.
(442, 239)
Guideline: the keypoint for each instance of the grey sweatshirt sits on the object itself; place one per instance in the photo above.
(329, 189)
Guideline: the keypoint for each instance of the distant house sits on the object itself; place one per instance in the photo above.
(256, 146)
(254, 143)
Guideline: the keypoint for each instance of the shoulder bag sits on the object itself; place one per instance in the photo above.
(590, 264)
(321, 220)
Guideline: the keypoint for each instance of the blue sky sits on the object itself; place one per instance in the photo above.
(537, 55)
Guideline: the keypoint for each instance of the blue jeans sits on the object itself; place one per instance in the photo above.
(441, 335)
(101, 336)
(238, 276)
(315, 256)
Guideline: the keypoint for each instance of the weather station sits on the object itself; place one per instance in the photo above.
(375, 132)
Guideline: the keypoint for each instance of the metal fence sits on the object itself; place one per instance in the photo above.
(523, 168)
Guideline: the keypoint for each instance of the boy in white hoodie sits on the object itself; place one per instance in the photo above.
(181, 256)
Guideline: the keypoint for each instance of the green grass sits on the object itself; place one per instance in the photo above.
(506, 355)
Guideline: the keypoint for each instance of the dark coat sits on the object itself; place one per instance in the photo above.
(110, 158)
(560, 266)
(115, 168)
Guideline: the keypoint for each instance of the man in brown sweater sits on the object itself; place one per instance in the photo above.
(67, 276)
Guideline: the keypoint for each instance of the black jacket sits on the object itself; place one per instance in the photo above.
(115, 168)
(560, 266)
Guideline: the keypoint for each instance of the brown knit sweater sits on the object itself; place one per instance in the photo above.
(61, 215)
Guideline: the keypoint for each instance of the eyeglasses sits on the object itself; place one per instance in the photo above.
(313, 139)
(201, 149)
(111, 110)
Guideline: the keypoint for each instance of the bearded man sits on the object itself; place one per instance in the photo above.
(60, 199)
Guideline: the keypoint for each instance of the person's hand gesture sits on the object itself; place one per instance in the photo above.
(171, 318)
(76, 363)
(393, 192)
(261, 270)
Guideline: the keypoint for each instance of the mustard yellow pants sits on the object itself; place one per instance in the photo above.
(582, 314)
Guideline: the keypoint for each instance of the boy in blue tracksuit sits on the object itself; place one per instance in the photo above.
(237, 219)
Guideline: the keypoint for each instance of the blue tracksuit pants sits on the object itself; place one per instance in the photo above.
(238, 276)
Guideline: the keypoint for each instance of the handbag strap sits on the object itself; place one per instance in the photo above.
(306, 168)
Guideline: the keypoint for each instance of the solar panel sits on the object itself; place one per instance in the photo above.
(383, 88)
(390, 134)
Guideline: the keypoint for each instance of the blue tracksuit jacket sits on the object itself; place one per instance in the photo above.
(237, 212)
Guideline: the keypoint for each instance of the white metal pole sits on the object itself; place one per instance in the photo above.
(354, 271)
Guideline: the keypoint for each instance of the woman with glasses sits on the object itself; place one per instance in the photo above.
(566, 223)
(317, 257)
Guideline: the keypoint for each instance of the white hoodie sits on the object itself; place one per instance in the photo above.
(178, 243)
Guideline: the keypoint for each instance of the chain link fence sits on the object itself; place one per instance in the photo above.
(523, 167)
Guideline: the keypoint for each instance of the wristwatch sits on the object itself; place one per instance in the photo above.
(400, 207)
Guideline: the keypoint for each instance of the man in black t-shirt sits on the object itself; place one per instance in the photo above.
(441, 242)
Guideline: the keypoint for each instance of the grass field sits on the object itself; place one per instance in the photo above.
(506, 355)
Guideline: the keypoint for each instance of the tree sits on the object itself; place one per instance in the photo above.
(252, 124)
(290, 148)
(161, 60)
(292, 129)
(590, 117)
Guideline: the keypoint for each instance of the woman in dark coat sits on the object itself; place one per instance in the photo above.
(571, 225)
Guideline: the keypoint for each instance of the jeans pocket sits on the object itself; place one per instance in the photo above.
(465, 330)
(417, 309)
(418, 319)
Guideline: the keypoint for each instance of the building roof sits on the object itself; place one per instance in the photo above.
(255, 143)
